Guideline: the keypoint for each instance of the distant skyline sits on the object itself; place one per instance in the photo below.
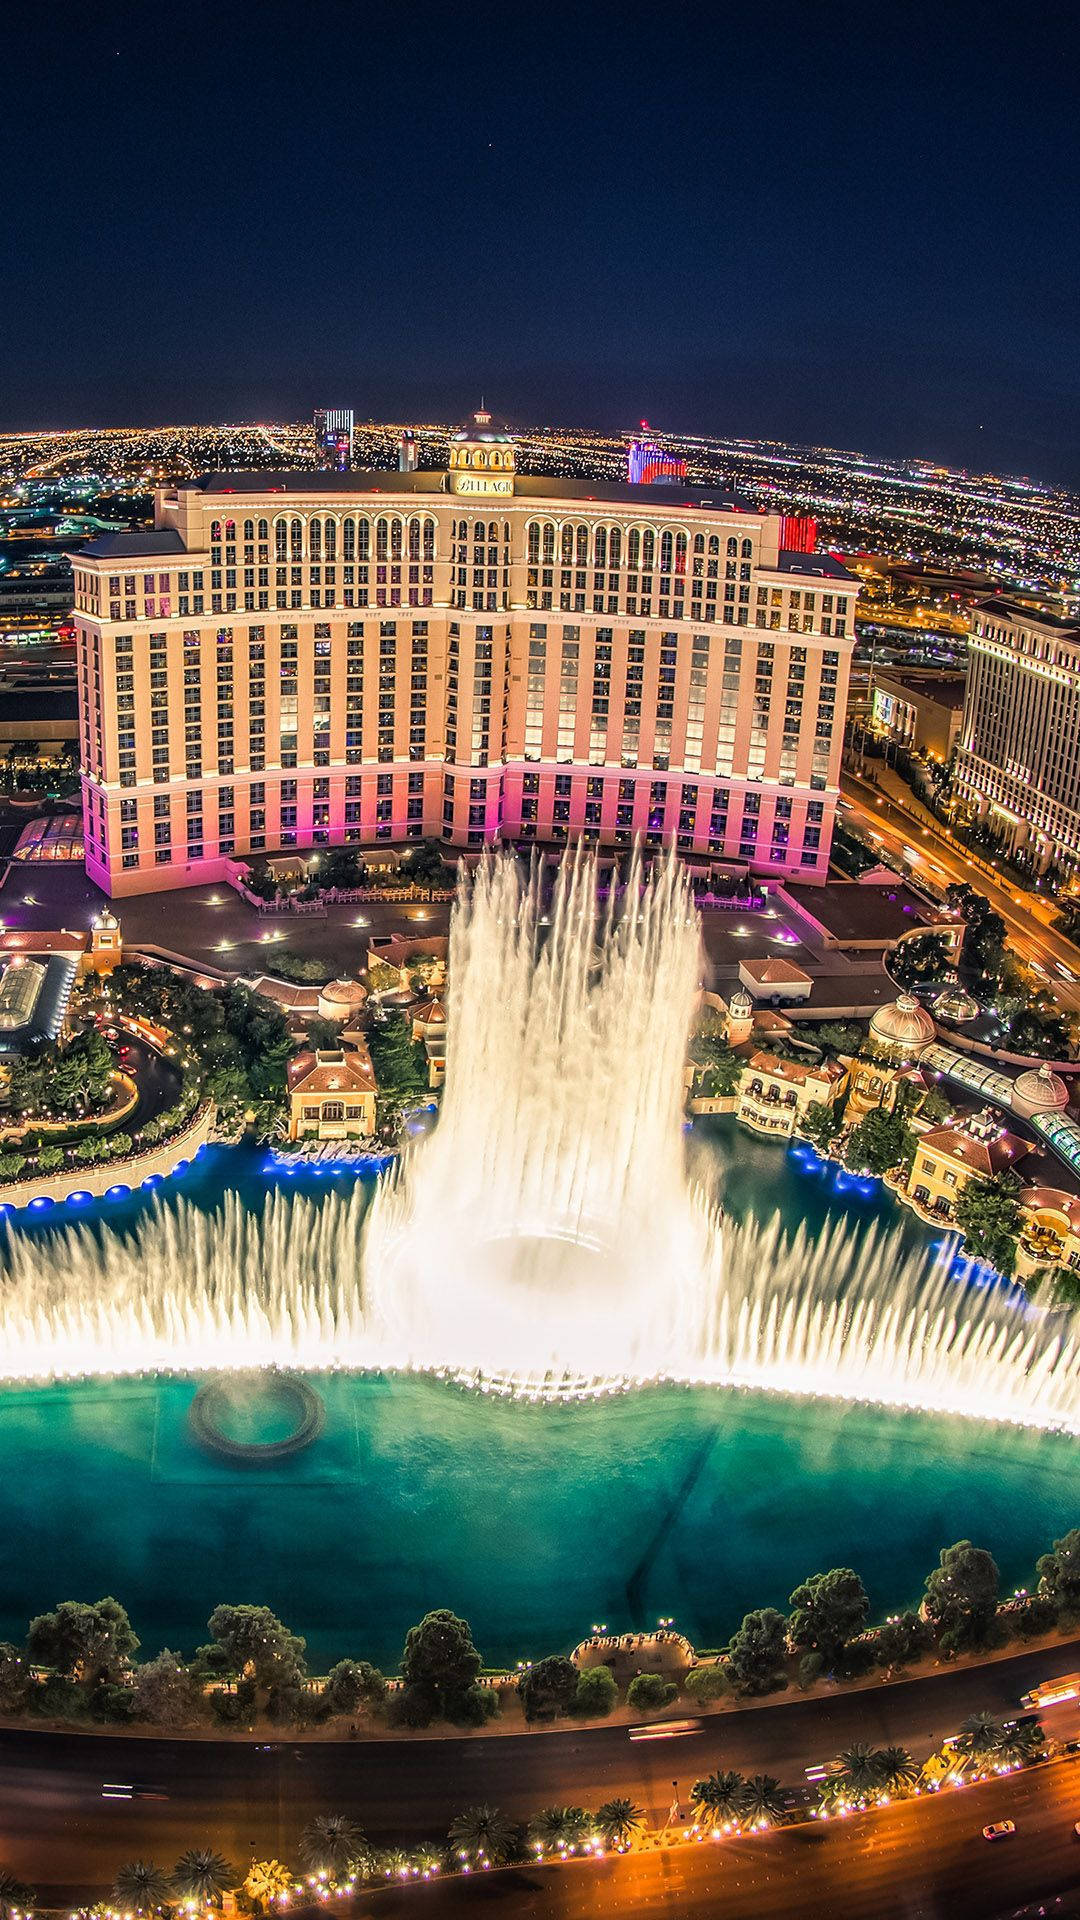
(815, 225)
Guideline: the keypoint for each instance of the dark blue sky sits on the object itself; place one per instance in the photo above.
(848, 224)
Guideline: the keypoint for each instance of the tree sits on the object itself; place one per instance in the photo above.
(879, 1142)
(355, 1686)
(440, 1659)
(142, 1887)
(762, 1802)
(925, 957)
(399, 1061)
(203, 1876)
(758, 1652)
(717, 1800)
(1020, 1742)
(265, 1882)
(165, 1692)
(718, 1067)
(14, 1678)
(324, 1035)
(706, 1683)
(596, 1693)
(334, 1845)
(558, 1829)
(548, 1687)
(979, 1735)
(618, 1823)
(425, 865)
(250, 1643)
(648, 1692)
(828, 1611)
(1059, 1573)
(990, 1219)
(820, 1123)
(961, 1595)
(482, 1836)
(15, 1895)
(857, 1775)
(896, 1770)
(903, 1638)
(83, 1641)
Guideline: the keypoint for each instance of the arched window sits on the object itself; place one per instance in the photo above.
(567, 546)
(549, 540)
(733, 548)
(429, 539)
(600, 548)
(479, 458)
(714, 543)
(363, 539)
(330, 540)
(615, 548)
(348, 540)
(281, 539)
(747, 549)
(264, 529)
(480, 531)
(315, 539)
(665, 552)
(506, 532)
(230, 530)
(533, 538)
(382, 540)
(414, 539)
(583, 546)
(493, 531)
(680, 553)
(699, 543)
(215, 529)
(633, 549)
(648, 549)
(249, 529)
(296, 539)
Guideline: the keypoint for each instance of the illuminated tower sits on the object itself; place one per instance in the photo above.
(334, 437)
(482, 459)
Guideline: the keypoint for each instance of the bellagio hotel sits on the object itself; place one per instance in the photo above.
(296, 660)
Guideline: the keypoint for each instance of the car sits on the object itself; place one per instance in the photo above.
(1000, 1830)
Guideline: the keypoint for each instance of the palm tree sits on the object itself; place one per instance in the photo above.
(859, 1772)
(1017, 1743)
(896, 1769)
(559, 1829)
(717, 1800)
(483, 1835)
(334, 1845)
(980, 1736)
(142, 1887)
(618, 1822)
(762, 1802)
(15, 1895)
(202, 1875)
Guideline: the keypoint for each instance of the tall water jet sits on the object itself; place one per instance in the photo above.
(547, 1230)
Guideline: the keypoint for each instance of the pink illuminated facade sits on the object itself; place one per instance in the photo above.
(295, 660)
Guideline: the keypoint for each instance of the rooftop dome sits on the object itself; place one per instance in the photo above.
(483, 425)
(903, 1027)
(1039, 1090)
(956, 1005)
(344, 993)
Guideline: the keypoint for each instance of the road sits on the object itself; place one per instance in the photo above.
(943, 862)
(58, 1831)
(923, 1860)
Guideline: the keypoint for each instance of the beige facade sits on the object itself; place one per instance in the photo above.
(946, 1158)
(775, 1093)
(1018, 752)
(332, 1094)
(300, 659)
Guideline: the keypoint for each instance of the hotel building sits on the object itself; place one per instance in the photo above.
(1018, 752)
(294, 660)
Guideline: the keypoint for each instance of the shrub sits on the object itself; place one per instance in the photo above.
(11, 1165)
(50, 1158)
(647, 1691)
(596, 1693)
(706, 1683)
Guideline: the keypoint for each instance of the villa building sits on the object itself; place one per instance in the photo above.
(775, 1093)
(429, 1026)
(332, 1094)
(975, 1148)
(292, 660)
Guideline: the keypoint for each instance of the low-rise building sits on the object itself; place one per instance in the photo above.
(919, 708)
(1051, 1231)
(429, 1025)
(881, 1083)
(769, 977)
(977, 1147)
(774, 1093)
(332, 1094)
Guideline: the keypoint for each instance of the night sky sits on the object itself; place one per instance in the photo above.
(840, 224)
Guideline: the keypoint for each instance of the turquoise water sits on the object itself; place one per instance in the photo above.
(532, 1521)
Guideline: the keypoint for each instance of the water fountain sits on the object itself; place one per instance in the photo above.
(546, 1238)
